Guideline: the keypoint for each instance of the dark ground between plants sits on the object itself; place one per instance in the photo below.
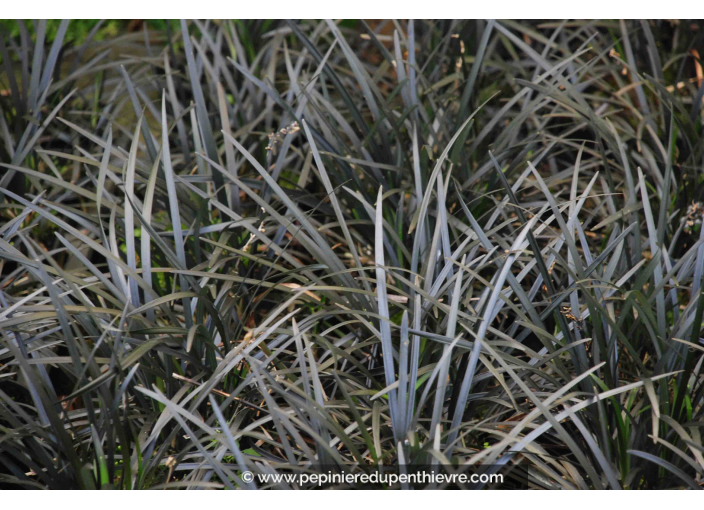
(273, 246)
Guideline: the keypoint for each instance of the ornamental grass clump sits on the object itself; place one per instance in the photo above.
(291, 247)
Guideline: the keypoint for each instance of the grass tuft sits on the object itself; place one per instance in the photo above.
(276, 247)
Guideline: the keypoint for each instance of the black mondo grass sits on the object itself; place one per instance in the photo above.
(294, 246)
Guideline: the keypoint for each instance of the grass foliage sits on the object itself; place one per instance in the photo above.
(282, 246)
